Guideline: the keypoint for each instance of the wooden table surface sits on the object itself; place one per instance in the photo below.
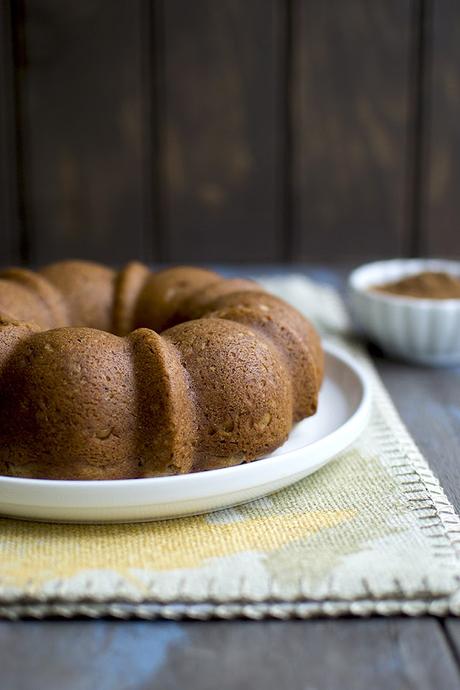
(355, 654)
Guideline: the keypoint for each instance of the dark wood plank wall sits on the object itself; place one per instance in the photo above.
(221, 129)
(441, 228)
(81, 123)
(243, 130)
(351, 98)
(10, 233)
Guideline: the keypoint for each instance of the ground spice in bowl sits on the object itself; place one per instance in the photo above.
(425, 285)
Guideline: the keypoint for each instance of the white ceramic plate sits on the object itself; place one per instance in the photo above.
(342, 415)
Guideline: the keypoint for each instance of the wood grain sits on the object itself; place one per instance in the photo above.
(451, 628)
(400, 654)
(10, 234)
(351, 91)
(440, 219)
(221, 130)
(428, 402)
(317, 654)
(82, 124)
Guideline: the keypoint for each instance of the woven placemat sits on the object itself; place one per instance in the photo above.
(372, 532)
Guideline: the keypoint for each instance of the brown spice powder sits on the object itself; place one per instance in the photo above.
(425, 285)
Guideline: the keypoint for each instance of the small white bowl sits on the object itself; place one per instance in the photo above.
(426, 331)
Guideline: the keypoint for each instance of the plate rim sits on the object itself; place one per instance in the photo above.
(193, 480)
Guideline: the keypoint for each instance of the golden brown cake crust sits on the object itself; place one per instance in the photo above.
(66, 413)
(243, 397)
(273, 320)
(165, 291)
(53, 306)
(129, 283)
(164, 406)
(88, 290)
(108, 375)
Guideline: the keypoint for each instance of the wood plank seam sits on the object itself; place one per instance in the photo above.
(288, 249)
(453, 649)
(14, 247)
(155, 227)
(25, 232)
(417, 163)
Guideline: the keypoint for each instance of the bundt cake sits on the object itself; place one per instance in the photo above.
(117, 375)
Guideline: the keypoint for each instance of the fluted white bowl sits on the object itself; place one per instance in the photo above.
(426, 331)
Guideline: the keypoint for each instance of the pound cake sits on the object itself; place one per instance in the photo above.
(118, 375)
